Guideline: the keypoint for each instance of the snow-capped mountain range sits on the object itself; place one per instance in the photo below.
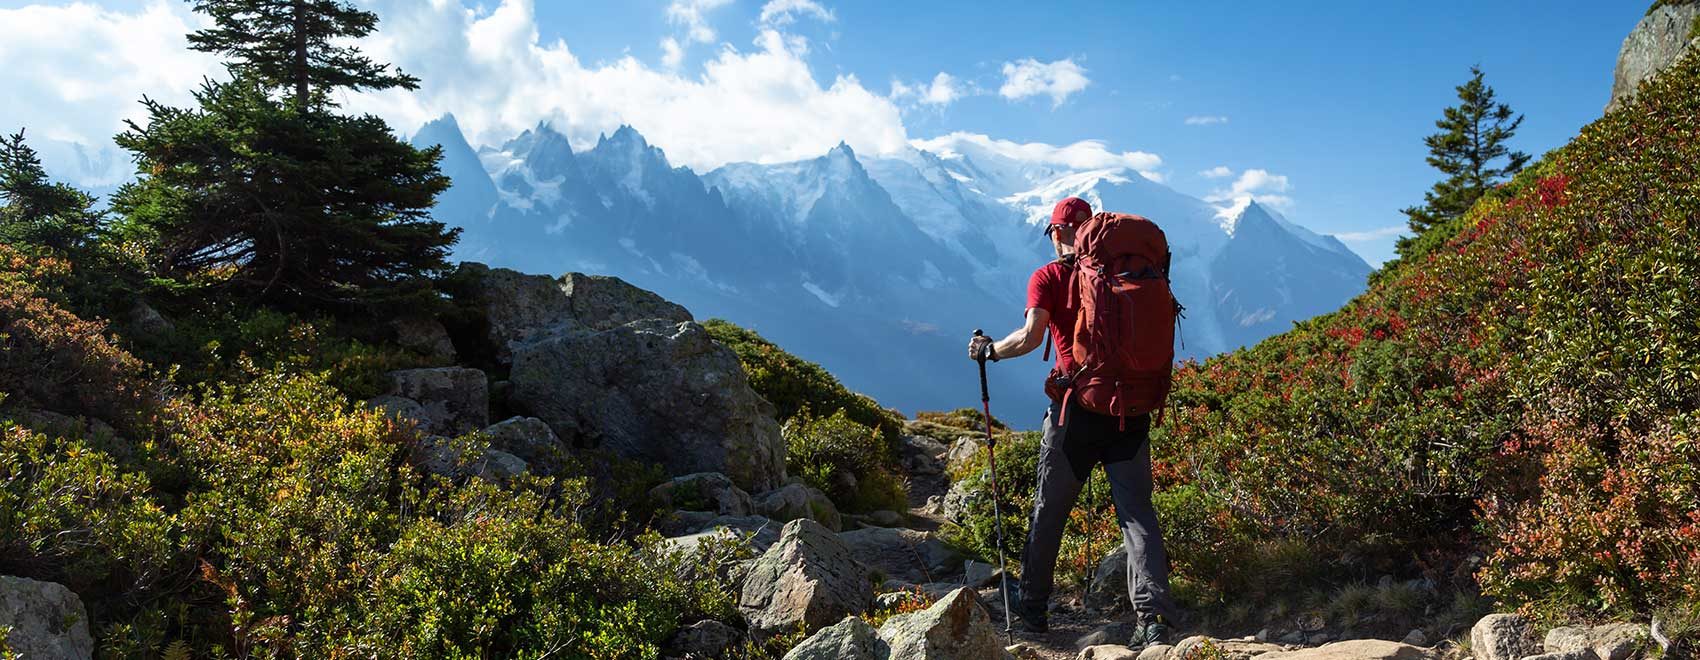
(879, 268)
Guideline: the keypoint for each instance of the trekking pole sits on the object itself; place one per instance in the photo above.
(997, 512)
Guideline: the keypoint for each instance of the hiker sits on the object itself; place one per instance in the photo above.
(1077, 439)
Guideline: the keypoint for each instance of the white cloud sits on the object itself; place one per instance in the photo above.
(1216, 172)
(1255, 184)
(672, 55)
(490, 69)
(1371, 234)
(83, 69)
(690, 15)
(1082, 155)
(784, 12)
(1206, 120)
(76, 72)
(942, 91)
(1029, 77)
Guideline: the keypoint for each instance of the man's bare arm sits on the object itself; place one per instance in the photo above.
(1023, 340)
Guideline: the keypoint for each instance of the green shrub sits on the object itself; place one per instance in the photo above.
(844, 459)
(793, 384)
(1507, 391)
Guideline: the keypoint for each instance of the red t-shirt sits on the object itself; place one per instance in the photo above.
(1048, 290)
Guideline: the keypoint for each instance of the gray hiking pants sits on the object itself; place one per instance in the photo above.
(1066, 458)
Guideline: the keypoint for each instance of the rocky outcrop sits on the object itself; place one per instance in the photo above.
(793, 501)
(456, 459)
(1659, 40)
(1503, 637)
(518, 307)
(850, 639)
(703, 491)
(808, 578)
(446, 401)
(956, 627)
(45, 618)
(923, 455)
(904, 554)
(655, 391)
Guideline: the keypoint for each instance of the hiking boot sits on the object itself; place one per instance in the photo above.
(1030, 618)
(1149, 633)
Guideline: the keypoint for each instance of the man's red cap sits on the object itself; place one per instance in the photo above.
(1065, 211)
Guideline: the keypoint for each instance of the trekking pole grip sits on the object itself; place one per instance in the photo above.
(981, 358)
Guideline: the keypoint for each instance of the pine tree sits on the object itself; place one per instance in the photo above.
(287, 44)
(1472, 137)
(265, 193)
(35, 211)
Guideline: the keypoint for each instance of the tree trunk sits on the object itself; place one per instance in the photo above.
(301, 54)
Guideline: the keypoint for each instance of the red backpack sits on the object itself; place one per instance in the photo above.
(1124, 332)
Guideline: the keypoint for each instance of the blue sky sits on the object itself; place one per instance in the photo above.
(1328, 101)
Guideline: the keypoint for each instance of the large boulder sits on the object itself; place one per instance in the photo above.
(703, 491)
(1503, 637)
(654, 391)
(793, 501)
(923, 455)
(1612, 641)
(904, 554)
(519, 307)
(1658, 41)
(808, 578)
(457, 459)
(1357, 649)
(452, 400)
(956, 627)
(45, 618)
(850, 639)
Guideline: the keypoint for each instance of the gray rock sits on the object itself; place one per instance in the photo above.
(759, 532)
(653, 391)
(400, 409)
(46, 619)
(808, 578)
(886, 518)
(905, 554)
(956, 627)
(795, 500)
(1186, 647)
(1356, 649)
(148, 321)
(849, 639)
(448, 457)
(529, 439)
(1108, 652)
(1566, 638)
(1617, 641)
(962, 451)
(519, 308)
(1114, 633)
(1156, 652)
(1417, 637)
(979, 574)
(923, 455)
(1503, 637)
(1108, 589)
(1576, 654)
(424, 334)
(957, 501)
(1659, 40)
(703, 639)
(1023, 651)
(703, 491)
(452, 400)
